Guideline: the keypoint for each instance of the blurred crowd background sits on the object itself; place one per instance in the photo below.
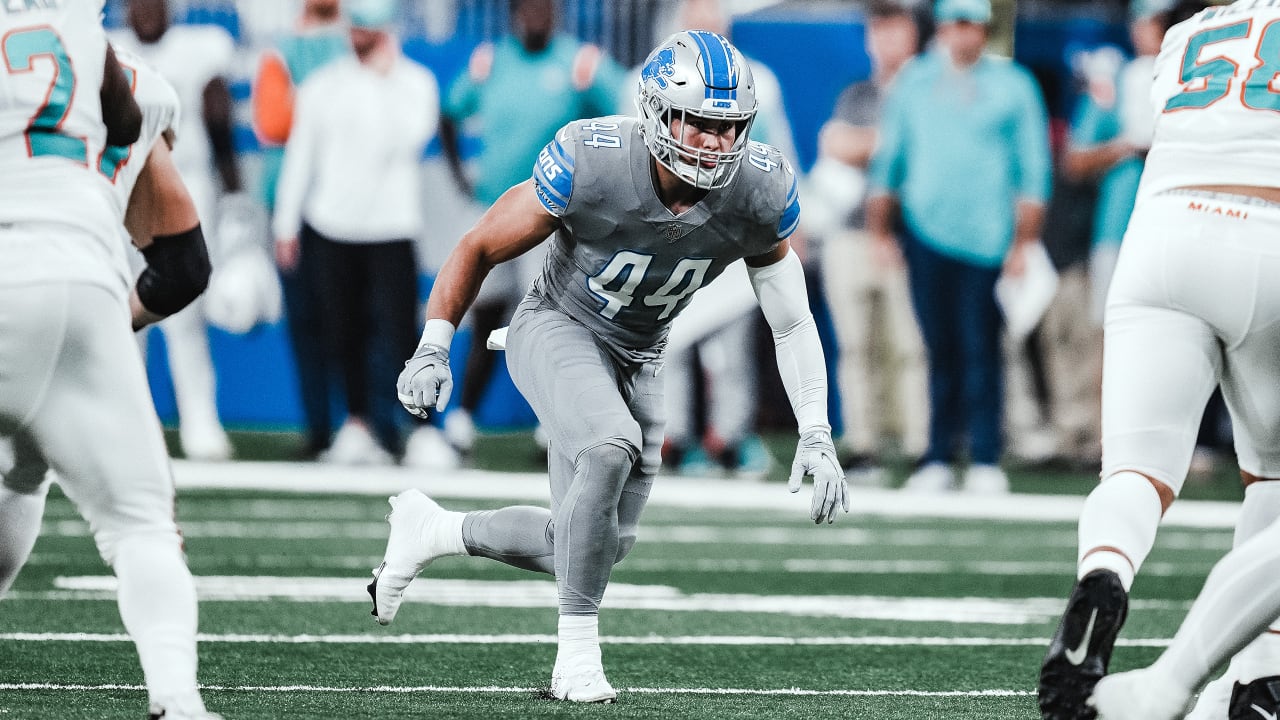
(483, 136)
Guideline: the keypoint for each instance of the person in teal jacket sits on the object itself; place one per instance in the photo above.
(964, 155)
(519, 90)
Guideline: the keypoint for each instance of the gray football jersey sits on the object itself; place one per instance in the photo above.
(622, 263)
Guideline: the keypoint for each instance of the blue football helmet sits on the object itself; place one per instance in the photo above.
(700, 74)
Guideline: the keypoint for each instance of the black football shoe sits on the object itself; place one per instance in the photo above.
(1081, 649)
(1258, 700)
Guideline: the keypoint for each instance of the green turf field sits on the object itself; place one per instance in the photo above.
(717, 614)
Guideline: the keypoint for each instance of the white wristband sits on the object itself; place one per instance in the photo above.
(437, 332)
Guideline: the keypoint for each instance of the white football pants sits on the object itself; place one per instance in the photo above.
(1194, 302)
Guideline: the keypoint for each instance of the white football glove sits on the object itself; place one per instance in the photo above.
(816, 456)
(425, 381)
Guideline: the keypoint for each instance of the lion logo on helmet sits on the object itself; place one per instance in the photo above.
(660, 67)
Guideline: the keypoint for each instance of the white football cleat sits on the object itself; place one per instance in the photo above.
(584, 684)
(1138, 695)
(415, 540)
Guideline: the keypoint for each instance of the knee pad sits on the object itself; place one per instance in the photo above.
(110, 543)
(611, 459)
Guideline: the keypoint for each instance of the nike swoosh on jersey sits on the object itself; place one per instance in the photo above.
(1264, 713)
(1076, 656)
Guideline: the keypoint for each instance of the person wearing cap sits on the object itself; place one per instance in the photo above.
(964, 157)
(350, 194)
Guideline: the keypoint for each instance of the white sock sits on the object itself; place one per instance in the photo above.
(1260, 508)
(1240, 598)
(579, 641)
(20, 516)
(446, 533)
(157, 599)
(1118, 526)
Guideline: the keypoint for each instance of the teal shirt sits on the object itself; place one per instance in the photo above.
(1118, 188)
(303, 54)
(959, 149)
(525, 99)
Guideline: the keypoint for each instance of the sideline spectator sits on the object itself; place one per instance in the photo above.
(350, 185)
(964, 154)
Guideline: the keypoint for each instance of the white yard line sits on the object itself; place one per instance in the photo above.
(499, 690)
(359, 564)
(516, 639)
(318, 478)
(621, 596)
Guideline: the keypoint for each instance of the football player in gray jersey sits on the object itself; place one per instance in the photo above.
(641, 213)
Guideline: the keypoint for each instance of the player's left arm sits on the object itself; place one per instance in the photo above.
(162, 219)
(120, 111)
(516, 223)
(778, 280)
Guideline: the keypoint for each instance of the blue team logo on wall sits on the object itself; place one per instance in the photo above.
(661, 67)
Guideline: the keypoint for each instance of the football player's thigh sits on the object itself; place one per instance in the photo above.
(646, 393)
(1251, 387)
(31, 325)
(1159, 368)
(1251, 382)
(570, 382)
(97, 425)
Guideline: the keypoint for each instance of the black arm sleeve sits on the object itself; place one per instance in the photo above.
(177, 271)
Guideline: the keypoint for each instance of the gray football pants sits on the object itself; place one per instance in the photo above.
(605, 421)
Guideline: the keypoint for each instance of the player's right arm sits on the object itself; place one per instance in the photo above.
(162, 219)
(515, 224)
(525, 215)
(120, 111)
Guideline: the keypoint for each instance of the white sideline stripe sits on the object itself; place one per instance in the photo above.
(1012, 568)
(494, 690)
(318, 478)
(696, 640)
(621, 596)
(796, 535)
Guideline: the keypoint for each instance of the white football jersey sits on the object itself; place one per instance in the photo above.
(1216, 98)
(52, 139)
(188, 56)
